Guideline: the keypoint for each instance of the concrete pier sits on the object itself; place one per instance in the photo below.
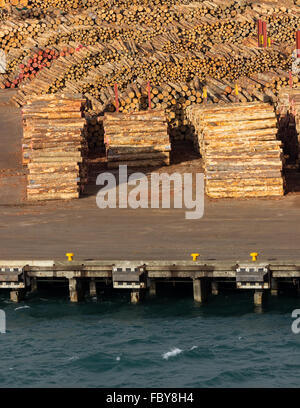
(93, 287)
(207, 277)
(274, 287)
(200, 290)
(33, 285)
(135, 296)
(258, 297)
(75, 290)
(17, 295)
(214, 288)
(152, 288)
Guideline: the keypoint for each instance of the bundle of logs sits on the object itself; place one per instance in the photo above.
(138, 139)
(54, 147)
(33, 64)
(288, 111)
(241, 155)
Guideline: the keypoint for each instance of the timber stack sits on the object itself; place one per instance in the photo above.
(54, 147)
(138, 139)
(288, 111)
(242, 156)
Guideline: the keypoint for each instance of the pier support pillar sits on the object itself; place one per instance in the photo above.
(200, 290)
(17, 295)
(75, 290)
(152, 288)
(135, 296)
(258, 297)
(274, 287)
(214, 288)
(33, 285)
(93, 288)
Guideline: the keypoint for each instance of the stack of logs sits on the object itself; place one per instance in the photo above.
(16, 3)
(241, 155)
(288, 111)
(55, 147)
(139, 139)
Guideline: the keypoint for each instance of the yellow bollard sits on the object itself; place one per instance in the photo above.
(236, 89)
(262, 40)
(254, 256)
(195, 256)
(204, 92)
(269, 42)
(69, 255)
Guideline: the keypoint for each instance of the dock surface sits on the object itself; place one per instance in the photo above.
(229, 230)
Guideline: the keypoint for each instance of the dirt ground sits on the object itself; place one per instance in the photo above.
(229, 229)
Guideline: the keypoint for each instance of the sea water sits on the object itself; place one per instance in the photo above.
(161, 342)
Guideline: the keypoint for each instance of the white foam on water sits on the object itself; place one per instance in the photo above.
(193, 348)
(73, 358)
(22, 307)
(118, 358)
(174, 352)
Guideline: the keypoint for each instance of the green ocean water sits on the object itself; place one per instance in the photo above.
(168, 341)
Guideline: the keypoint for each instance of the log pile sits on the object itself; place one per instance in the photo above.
(33, 64)
(184, 28)
(138, 139)
(40, 84)
(242, 157)
(16, 3)
(70, 75)
(169, 43)
(54, 147)
(180, 46)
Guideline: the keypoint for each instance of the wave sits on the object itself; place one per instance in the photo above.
(174, 352)
(73, 358)
(22, 307)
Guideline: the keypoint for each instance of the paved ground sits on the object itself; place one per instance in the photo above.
(229, 229)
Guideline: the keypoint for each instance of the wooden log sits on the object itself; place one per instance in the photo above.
(137, 156)
(139, 163)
